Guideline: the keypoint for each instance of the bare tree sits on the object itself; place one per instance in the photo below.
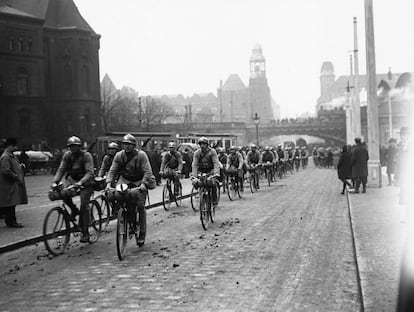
(155, 112)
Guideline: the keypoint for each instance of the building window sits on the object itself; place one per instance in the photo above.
(11, 43)
(68, 80)
(29, 45)
(22, 82)
(84, 80)
(20, 45)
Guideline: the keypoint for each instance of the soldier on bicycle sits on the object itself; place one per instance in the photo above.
(268, 157)
(76, 167)
(113, 148)
(205, 160)
(134, 169)
(253, 160)
(235, 164)
(172, 165)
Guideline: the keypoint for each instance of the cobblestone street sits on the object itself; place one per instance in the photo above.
(286, 248)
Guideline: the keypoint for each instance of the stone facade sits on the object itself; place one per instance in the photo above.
(49, 73)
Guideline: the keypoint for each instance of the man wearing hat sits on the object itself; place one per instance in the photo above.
(113, 148)
(359, 161)
(12, 186)
(390, 159)
(172, 165)
(77, 168)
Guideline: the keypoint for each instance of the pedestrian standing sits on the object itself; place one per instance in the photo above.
(390, 160)
(344, 167)
(155, 161)
(12, 185)
(359, 160)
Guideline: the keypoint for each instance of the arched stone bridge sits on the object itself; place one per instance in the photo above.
(333, 134)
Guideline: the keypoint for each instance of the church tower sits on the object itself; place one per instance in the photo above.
(260, 100)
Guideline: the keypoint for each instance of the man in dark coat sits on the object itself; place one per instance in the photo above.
(359, 160)
(344, 167)
(156, 160)
(12, 185)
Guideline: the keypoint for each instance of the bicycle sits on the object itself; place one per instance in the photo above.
(254, 178)
(195, 199)
(168, 195)
(108, 208)
(127, 225)
(58, 223)
(207, 209)
(268, 171)
(232, 184)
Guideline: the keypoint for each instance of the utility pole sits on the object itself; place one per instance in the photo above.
(389, 103)
(139, 112)
(356, 105)
(374, 167)
(221, 100)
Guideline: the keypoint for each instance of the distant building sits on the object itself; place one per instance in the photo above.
(49, 73)
(334, 95)
(235, 102)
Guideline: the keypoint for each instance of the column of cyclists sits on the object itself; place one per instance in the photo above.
(125, 177)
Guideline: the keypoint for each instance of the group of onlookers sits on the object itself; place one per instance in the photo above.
(353, 163)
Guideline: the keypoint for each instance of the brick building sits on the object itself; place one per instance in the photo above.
(49, 73)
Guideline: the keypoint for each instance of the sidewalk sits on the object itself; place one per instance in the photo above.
(379, 227)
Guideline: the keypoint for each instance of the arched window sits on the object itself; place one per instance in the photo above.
(20, 45)
(22, 82)
(84, 80)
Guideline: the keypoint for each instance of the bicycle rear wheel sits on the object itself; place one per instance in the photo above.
(232, 189)
(166, 200)
(95, 221)
(103, 202)
(195, 199)
(121, 233)
(56, 231)
(204, 211)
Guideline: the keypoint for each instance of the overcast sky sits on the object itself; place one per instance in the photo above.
(188, 46)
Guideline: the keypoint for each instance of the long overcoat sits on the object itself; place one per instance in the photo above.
(344, 166)
(12, 186)
(359, 159)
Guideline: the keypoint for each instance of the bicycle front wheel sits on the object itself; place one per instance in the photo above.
(121, 233)
(56, 231)
(195, 199)
(166, 200)
(178, 198)
(232, 189)
(95, 221)
(204, 211)
(252, 183)
(103, 202)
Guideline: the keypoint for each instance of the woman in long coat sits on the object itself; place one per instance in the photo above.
(344, 167)
(12, 186)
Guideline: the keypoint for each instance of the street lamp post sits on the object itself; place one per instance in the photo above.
(389, 103)
(256, 120)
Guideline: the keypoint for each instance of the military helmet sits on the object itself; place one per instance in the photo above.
(113, 145)
(220, 150)
(171, 144)
(129, 139)
(267, 148)
(253, 146)
(203, 140)
(74, 140)
(233, 148)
